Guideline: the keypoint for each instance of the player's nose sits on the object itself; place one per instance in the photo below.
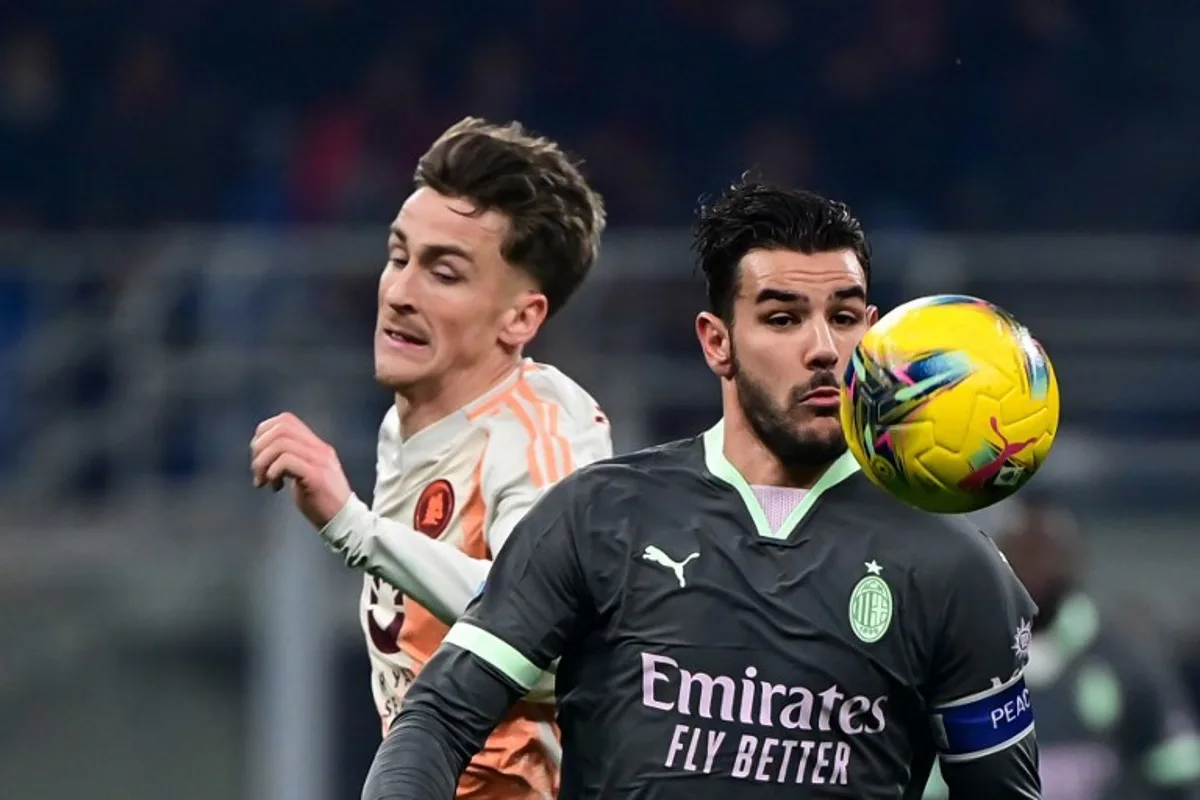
(821, 347)
(396, 290)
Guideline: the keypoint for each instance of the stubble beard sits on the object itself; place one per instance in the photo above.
(796, 449)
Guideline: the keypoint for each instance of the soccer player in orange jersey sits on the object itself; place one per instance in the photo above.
(501, 230)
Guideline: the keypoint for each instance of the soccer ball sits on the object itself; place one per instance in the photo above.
(949, 404)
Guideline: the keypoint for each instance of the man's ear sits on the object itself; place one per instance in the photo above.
(872, 315)
(714, 336)
(522, 322)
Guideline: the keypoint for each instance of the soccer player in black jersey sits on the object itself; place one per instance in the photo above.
(743, 614)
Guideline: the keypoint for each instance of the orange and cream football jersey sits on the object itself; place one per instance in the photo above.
(446, 499)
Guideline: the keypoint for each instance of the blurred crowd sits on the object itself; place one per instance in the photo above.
(924, 113)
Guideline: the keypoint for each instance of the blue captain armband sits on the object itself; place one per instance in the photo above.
(984, 723)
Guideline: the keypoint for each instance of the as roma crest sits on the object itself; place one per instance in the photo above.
(435, 506)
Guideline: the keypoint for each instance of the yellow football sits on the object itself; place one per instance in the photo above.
(949, 404)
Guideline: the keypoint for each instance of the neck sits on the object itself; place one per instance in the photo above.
(423, 405)
(755, 461)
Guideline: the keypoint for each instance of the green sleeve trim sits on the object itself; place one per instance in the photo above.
(1175, 761)
(936, 788)
(495, 651)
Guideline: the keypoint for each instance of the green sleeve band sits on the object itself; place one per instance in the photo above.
(936, 788)
(495, 651)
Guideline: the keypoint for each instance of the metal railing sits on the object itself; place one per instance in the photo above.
(146, 356)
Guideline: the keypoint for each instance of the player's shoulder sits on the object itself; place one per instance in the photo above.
(541, 402)
(942, 542)
(602, 501)
(640, 472)
(540, 428)
(551, 385)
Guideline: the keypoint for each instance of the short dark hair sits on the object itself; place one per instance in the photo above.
(752, 215)
(555, 217)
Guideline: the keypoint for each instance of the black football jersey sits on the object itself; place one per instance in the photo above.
(702, 654)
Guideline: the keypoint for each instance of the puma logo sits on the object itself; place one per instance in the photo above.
(657, 556)
(980, 477)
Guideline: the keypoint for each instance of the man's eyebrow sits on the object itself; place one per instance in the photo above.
(769, 295)
(432, 252)
(851, 293)
(779, 295)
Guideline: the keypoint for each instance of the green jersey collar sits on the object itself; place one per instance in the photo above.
(714, 458)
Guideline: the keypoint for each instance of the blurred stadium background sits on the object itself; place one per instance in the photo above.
(193, 200)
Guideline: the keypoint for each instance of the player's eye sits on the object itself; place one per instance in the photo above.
(847, 318)
(397, 260)
(445, 274)
(779, 320)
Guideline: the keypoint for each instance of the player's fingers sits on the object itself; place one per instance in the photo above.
(287, 465)
(280, 439)
(270, 450)
(263, 448)
(266, 432)
(259, 464)
(269, 422)
(286, 424)
(287, 421)
(273, 450)
(282, 428)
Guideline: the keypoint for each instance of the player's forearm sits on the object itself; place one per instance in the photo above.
(438, 576)
(416, 760)
(448, 713)
(1011, 774)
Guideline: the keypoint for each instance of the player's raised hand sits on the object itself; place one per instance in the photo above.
(284, 447)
